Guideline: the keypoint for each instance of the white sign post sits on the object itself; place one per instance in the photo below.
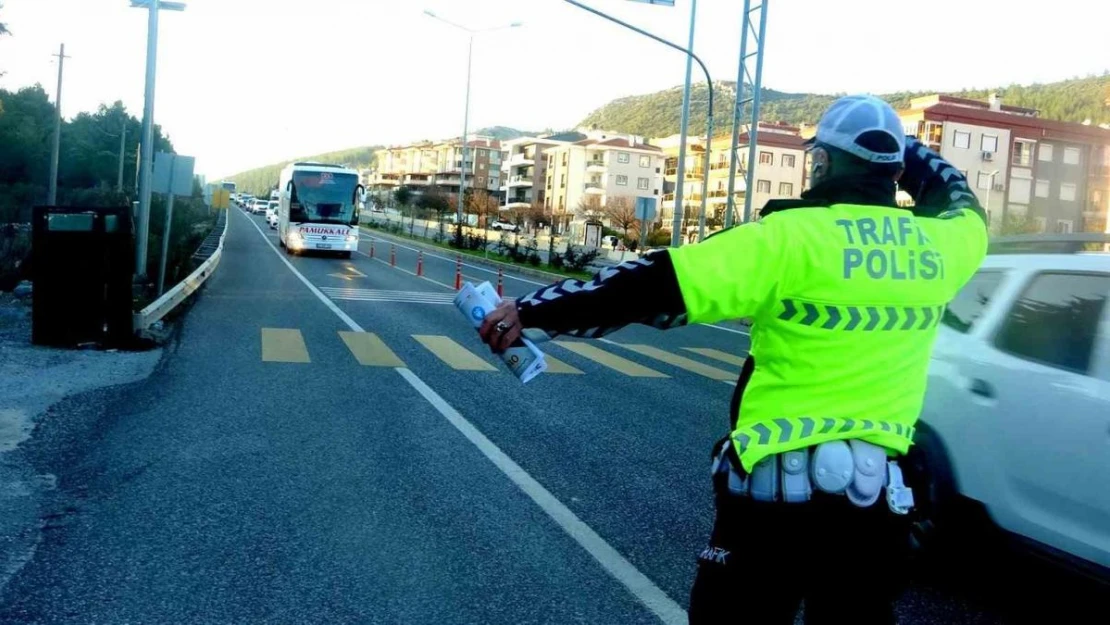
(173, 175)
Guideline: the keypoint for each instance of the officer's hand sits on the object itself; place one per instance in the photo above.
(501, 327)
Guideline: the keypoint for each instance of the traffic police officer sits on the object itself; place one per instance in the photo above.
(845, 290)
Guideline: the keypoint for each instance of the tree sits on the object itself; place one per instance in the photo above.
(589, 208)
(535, 215)
(435, 200)
(482, 204)
(402, 195)
(621, 214)
(1017, 223)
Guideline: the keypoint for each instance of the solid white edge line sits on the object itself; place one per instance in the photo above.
(610, 559)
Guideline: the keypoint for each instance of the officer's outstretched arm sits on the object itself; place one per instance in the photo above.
(728, 276)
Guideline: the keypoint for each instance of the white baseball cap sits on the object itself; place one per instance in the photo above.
(860, 125)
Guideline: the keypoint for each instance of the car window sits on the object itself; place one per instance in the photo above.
(972, 300)
(1056, 320)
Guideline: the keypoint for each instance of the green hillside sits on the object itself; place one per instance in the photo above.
(260, 180)
(658, 114)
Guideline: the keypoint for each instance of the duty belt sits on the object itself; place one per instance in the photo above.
(854, 468)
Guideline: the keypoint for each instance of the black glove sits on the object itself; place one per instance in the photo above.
(933, 183)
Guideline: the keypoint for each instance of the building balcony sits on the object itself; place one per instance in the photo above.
(720, 165)
(517, 202)
(697, 172)
(595, 188)
(670, 171)
(520, 181)
(521, 158)
(418, 180)
(597, 167)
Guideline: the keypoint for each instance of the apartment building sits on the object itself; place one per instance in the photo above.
(599, 168)
(524, 168)
(1019, 165)
(779, 171)
(426, 164)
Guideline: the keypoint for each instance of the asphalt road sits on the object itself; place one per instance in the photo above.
(328, 441)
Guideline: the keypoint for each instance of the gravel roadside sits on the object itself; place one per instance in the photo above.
(34, 381)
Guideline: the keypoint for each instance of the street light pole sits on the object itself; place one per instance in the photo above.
(466, 108)
(52, 194)
(675, 235)
(680, 173)
(466, 124)
(146, 141)
(987, 204)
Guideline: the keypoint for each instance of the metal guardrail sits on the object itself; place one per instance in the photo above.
(182, 290)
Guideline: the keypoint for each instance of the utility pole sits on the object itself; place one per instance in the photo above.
(146, 142)
(52, 195)
(122, 154)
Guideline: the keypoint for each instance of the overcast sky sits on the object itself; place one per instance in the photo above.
(243, 83)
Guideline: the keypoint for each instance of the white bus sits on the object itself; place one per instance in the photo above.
(319, 208)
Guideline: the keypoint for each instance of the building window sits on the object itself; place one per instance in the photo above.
(788, 160)
(481, 181)
(1071, 156)
(562, 181)
(989, 143)
(622, 181)
(1042, 188)
(564, 159)
(766, 158)
(645, 161)
(1067, 192)
(786, 189)
(643, 183)
(934, 133)
(961, 139)
(763, 186)
(983, 181)
(1055, 322)
(1063, 226)
(623, 157)
(1023, 153)
(1044, 153)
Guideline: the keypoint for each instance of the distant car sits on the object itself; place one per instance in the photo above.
(272, 219)
(1016, 419)
(259, 206)
(505, 226)
(609, 241)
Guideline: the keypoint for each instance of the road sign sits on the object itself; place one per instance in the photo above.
(175, 170)
(645, 208)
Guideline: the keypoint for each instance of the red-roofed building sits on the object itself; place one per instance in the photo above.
(1051, 174)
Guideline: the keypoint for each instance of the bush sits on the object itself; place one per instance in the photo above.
(657, 238)
(574, 259)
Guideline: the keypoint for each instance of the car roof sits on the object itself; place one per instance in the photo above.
(1083, 261)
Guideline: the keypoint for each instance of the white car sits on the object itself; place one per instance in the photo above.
(1016, 420)
(272, 215)
(505, 226)
(259, 206)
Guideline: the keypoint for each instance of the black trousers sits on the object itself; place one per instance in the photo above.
(763, 559)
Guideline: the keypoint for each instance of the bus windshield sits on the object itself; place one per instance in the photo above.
(323, 197)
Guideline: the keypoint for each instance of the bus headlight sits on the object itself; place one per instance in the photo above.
(351, 238)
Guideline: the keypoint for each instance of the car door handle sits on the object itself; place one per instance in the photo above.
(981, 388)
